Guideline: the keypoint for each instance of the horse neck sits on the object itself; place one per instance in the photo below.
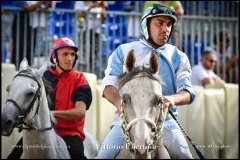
(41, 120)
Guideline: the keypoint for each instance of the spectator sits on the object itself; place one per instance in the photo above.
(38, 21)
(92, 12)
(228, 61)
(22, 45)
(7, 21)
(203, 74)
(133, 25)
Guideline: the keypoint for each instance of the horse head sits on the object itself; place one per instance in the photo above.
(23, 91)
(142, 101)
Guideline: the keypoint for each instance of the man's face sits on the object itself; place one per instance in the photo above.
(160, 29)
(66, 57)
(226, 44)
(209, 61)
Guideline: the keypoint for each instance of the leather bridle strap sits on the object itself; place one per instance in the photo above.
(18, 107)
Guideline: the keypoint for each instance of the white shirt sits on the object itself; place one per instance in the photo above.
(94, 20)
(199, 73)
(37, 18)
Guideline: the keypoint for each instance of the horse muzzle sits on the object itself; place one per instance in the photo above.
(8, 123)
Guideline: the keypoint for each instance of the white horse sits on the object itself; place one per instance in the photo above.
(27, 109)
(142, 115)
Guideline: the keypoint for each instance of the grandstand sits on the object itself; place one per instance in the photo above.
(197, 27)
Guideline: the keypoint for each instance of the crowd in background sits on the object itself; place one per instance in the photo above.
(38, 20)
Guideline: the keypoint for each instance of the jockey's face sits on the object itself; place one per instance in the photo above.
(66, 57)
(160, 29)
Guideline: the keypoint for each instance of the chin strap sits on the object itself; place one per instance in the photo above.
(62, 68)
(153, 43)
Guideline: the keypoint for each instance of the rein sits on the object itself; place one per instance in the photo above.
(192, 143)
(21, 122)
(157, 128)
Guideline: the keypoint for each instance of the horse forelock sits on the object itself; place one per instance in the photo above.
(28, 71)
(142, 71)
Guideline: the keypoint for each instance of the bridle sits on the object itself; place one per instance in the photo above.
(157, 127)
(23, 114)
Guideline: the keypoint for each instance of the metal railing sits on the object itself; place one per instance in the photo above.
(195, 33)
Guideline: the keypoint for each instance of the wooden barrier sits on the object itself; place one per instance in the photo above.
(211, 120)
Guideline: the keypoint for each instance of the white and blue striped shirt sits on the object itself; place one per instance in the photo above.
(174, 66)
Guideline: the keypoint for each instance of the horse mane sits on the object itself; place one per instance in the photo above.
(48, 89)
(141, 70)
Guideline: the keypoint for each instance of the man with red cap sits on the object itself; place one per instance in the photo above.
(71, 95)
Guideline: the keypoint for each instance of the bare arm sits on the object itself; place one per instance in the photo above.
(72, 114)
(231, 63)
(180, 98)
(206, 81)
(179, 10)
(216, 80)
(33, 7)
(112, 95)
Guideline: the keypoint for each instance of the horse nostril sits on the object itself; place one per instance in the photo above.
(131, 148)
(150, 148)
(9, 122)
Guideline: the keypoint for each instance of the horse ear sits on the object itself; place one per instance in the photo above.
(42, 70)
(23, 64)
(153, 62)
(131, 60)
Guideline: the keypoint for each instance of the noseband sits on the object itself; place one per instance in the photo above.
(23, 114)
(142, 71)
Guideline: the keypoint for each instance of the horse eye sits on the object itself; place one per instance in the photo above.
(8, 88)
(30, 94)
(158, 101)
(126, 99)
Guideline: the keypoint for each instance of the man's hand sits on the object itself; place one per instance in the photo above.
(169, 102)
(181, 98)
(118, 107)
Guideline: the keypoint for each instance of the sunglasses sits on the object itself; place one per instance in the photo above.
(212, 60)
(162, 9)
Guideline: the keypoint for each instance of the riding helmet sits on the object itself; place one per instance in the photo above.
(60, 43)
(153, 10)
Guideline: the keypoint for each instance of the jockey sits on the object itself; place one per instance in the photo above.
(71, 96)
(175, 72)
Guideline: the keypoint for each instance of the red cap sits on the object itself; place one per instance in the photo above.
(60, 43)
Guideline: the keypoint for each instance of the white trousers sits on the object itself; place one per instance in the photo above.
(173, 139)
